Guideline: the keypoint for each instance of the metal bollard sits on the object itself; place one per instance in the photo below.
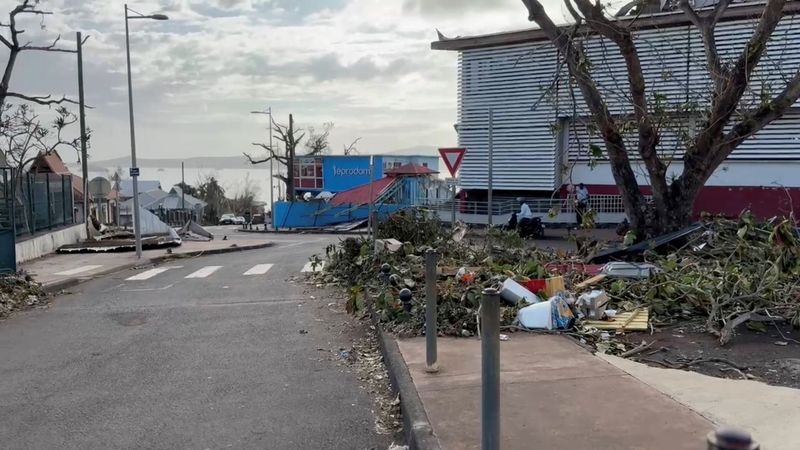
(431, 327)
(731, 439)
(490, 370)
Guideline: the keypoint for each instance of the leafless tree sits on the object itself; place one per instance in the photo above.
(317, 142)
(290, 137)
(350, 149)
(10, 33)
(726, 121)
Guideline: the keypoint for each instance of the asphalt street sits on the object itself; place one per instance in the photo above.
(209, 352)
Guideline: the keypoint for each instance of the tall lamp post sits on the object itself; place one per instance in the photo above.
(134, 169)
(271, 188)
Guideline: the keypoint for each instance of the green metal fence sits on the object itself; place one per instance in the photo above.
(35, 202)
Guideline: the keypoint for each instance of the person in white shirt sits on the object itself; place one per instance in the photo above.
(525, 211)
(581, 203)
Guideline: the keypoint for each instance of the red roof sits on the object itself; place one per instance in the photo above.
(360, 195)
(410, 169)
(51, 161)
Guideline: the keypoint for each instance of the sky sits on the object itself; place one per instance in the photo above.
(365, 65)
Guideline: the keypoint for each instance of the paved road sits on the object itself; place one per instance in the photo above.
(197, 353)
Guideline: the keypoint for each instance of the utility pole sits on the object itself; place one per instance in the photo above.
(491, 168)
(271, 167)
(82, 116)
(183, 189)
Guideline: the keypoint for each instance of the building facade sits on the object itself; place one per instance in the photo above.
(542, 133)
(337, 173)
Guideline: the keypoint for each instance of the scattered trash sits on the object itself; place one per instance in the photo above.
(628, 270)
(18, 291)
(504, 337)
(513, 293)
(592, 305)
(303, 331)
(781, 343)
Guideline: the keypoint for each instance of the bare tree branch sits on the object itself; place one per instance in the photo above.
(349, 149)
(41, 100)
(48, 48)
(706, 26)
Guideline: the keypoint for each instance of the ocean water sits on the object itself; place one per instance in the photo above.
(234, 181)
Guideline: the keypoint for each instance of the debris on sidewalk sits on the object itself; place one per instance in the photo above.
(19, 292)
(719, 273)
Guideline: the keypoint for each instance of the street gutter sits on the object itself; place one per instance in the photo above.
(417, 428)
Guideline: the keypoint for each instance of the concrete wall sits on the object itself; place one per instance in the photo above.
(41, 245)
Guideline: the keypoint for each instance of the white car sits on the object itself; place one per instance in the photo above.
(227, 219)
(239, 220)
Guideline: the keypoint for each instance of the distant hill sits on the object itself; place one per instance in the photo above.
(200, 162)
(226, 162)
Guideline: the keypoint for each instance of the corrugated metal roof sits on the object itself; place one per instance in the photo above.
(360, 195)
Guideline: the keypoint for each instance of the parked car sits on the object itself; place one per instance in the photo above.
(258, 219)
(239, 220)
(227, 219)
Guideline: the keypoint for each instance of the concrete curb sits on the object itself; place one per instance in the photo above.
(60, 285)
(417, 428)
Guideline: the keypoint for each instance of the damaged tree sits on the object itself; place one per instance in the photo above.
(291, 138)
(724, 121)
(15, 48)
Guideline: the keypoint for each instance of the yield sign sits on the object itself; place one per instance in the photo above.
(452, 158)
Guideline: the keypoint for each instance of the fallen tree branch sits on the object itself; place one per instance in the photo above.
(635, 351)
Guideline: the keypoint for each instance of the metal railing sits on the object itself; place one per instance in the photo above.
(36, 201)
(611, 204)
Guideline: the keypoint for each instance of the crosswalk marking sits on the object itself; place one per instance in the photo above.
(147, 274)
(258, 269)
(80, 269)
(204, 272)
(311, 267)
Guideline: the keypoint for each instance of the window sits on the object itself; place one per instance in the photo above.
(308, 173)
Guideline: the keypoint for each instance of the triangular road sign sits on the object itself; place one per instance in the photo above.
(452, 158)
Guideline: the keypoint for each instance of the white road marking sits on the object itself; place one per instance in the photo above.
(147, 274)
(310, 267)
(258, 269)
(204, 272)
(80, 269)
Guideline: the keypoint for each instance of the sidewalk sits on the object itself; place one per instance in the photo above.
(58, 271)
(554, 395)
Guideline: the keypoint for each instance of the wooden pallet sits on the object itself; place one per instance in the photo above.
(636, 320)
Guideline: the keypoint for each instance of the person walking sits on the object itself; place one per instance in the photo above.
(581, 203)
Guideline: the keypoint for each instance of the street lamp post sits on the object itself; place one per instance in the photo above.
(271, 187)
(134, 169)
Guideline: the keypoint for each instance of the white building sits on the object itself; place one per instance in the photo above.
(540, 137)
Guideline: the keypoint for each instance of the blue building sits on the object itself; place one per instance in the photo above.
(337, 173)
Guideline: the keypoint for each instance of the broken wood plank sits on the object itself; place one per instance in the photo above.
(637, 320)
(591, 281)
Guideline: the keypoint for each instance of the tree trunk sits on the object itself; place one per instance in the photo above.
(290, 144)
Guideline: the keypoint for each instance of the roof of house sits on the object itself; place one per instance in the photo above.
(147, 199)
(665, 19)
(360, 195)
(410, 169)
(52, 162)
(126, 187)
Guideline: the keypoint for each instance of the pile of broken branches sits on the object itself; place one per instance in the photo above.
(731, 272)
(18, 292)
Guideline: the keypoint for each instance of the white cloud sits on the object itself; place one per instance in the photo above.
(364, 64)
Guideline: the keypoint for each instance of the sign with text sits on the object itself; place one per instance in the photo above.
(341, 173)
(134, 172)
(452, 158)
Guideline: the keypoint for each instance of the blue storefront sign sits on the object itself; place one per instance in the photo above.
(341, 173)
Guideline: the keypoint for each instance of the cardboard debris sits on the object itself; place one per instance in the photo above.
(637, 320)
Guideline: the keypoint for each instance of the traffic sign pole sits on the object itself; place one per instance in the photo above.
(452, 158)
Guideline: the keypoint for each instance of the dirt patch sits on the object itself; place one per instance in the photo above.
(771, 356)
